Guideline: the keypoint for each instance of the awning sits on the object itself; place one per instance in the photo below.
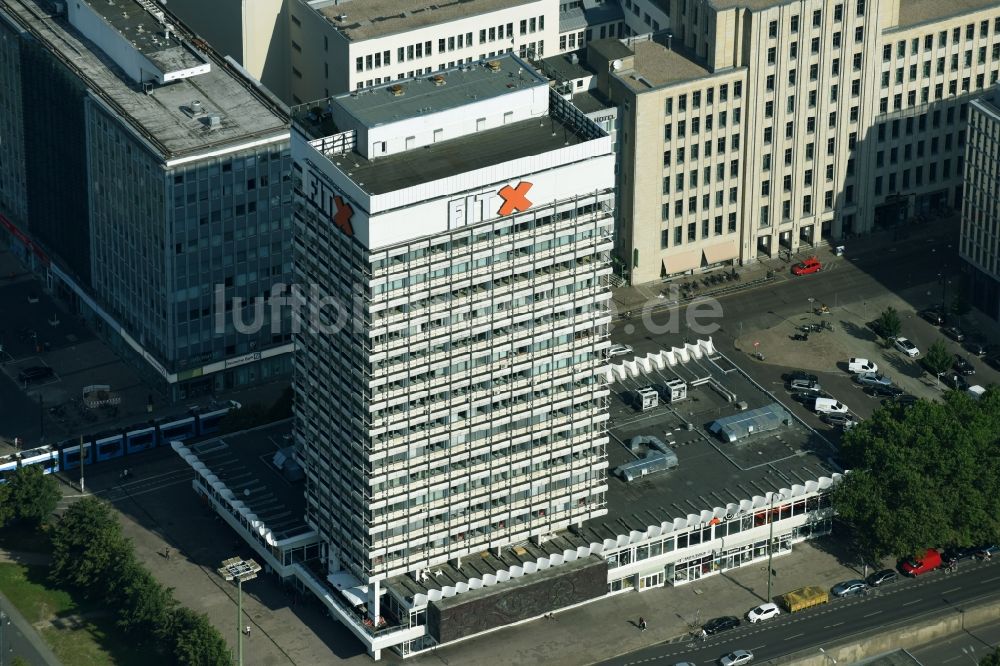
(681, 261)
(721, 252)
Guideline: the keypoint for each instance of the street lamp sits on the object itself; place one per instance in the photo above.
(970, 652)
(239, 570)
(823, 652)
(770, 541)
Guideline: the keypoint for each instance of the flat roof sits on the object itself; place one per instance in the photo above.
(243, 463)
(656, 65)
(610, 48)
(711, 473)
(459, 155)
(914, 12)
(140, 27)
(159, 117)
(562, 68)
(590, 101)
(440, 91)
(370, 19)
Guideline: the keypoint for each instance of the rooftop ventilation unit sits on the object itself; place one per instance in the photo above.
(438, 80)
(196, 107)
(214, 121)
(397, 90)
(493, 65)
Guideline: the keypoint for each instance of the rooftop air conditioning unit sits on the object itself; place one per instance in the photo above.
(397, 90)
(439, 80)
(493, 65)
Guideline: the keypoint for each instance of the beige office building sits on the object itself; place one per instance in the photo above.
(754, 127)
(980, 241)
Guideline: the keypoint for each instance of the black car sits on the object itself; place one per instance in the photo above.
(976, 347)
(799, 374)
(933, 315)
(993, 360)
(720, 624)
(845, 421)
(951, 555)
(35, 373)
(962, 366)
(881, 391)
(954, 333)
(954, 381)
(883, 577)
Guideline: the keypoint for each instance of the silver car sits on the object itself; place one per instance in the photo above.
(736, 658)
(873, 379)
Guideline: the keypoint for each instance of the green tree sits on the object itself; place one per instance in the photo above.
(88, 547)
(33, 494)
(992, 659)
(145, 604)
(938, 359)
(890, 323)
(6, 505)
(923, 476)
(19, 661)
(195, 642)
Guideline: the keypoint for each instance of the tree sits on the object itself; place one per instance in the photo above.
(195, 642)
(6, 505)
(889, 323)
(992, 659)
(923, 476)
(33, 494)
(938, 359)
(145, 604)
(88, 548)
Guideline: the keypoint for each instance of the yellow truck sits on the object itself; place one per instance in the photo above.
(805, 597)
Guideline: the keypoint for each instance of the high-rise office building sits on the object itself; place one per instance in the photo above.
(979, 244)
(464, 221)
(171, 193)
(758, 128)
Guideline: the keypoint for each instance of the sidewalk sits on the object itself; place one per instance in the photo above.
(634, 297)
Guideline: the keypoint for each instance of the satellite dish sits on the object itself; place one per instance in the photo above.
(616, 65)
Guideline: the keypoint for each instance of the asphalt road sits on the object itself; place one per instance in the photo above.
(18, 639)
(895, 605)
(967, 647)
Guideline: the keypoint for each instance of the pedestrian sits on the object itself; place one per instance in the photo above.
(247, 632)
(642, 624)
(167, 552)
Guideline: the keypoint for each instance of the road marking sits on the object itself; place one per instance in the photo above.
(872, 614)
(956, 589)
(910, 603)
(795, 636)
(831, 626)
(990, 580)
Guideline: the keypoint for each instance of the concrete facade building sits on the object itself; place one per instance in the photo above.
(172, 194)
(342, 46)
(979, 245)
(850, 116)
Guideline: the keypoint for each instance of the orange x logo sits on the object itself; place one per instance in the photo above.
(342, 218)
(514, 198)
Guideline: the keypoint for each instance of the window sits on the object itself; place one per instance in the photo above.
(887, 53)
(795, 23)
(817, 18)
(788, 156)
(838, 12)
(772, 29)
(814, 45)
(860, 9)
(772, 55)
(787, 183)
(859, 34)
(696, 100)
(836, 40)
(669, 105)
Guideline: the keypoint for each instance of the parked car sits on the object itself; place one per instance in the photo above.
(809, 398)
(807, 266)
(882, 391)
(799, 374)
(849, 588)
(805, 385)
(829, 406)
(962, 366)
(934, 315)
(904, 400)
(953, 332)
(957, 554)
(720, 624)
(763, 612)
(907, 347)
(884, 577)
(861, 365)
(954, 381)
(845, 421)
(736, 658)
(619, 350)
(993, 360)
(977, 347)
(986, 551)
(873, 379)
(35, 373)
(917, 565)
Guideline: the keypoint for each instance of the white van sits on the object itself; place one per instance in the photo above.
(859, 366)
(829, 406)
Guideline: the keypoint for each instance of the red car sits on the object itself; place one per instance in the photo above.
(915, 566)
(810, 265)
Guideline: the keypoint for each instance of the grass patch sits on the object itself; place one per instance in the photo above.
(87, 637)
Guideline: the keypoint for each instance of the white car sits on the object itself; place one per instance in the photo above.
(763, 612)
(736, 658)
(907, 347)
(619, 350)
(859, 366)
